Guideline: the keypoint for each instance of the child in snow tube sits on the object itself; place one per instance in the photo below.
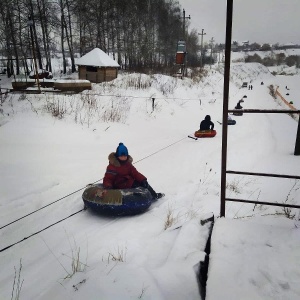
(121, 174)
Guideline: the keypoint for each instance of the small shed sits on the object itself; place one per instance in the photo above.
(96, 66)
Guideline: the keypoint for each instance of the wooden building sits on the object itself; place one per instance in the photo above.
(181, 53)
(96, 66)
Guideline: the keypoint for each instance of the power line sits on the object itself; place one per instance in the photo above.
(73, 214)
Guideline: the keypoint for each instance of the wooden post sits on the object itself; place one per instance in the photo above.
(297, 145)
(153, 99)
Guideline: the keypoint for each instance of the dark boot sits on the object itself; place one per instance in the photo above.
(160, 195)
(154, 194)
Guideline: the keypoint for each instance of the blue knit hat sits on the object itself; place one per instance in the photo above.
(121, 150)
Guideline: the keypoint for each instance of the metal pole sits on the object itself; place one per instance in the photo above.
(225, 105)
(263, 174)
(263, 203)
(183, 24)
(297, 145)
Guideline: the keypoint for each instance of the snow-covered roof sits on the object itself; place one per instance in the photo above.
(97, 58)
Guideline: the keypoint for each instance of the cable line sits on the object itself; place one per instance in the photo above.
(149, 97)
(160, 150)
(31, 213)
(43, 207)
(25, 238)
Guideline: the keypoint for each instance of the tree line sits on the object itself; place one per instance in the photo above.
(275, 59)
(138, 34)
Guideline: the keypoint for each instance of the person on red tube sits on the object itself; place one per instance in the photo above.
(207, 124)
(121, 174)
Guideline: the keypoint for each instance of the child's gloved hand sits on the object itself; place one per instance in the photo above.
(144, 183)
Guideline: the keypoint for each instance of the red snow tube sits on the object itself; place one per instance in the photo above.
(205, 133)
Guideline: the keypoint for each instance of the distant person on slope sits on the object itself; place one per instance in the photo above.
(238, 105)
(121, 174)
(207, 124)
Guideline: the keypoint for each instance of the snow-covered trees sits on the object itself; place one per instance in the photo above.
(139, 34)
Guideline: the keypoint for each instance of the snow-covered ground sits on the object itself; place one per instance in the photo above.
(241, 55)
(43, 158)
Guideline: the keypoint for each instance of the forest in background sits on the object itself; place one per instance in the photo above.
(139, 35)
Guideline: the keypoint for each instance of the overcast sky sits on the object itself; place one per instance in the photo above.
(269, 21)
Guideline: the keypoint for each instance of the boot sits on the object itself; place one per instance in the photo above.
(155, 195)
(160, 195)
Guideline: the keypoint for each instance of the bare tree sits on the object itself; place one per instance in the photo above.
(139, 34)
(69, 34)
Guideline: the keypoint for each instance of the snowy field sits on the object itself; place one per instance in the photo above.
(241, 55)
(47, 161)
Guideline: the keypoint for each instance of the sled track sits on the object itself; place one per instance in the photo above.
(64, 197)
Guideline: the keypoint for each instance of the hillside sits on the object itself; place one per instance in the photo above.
(52, 146)
(241, 55)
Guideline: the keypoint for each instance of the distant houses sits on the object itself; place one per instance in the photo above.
(96, 66)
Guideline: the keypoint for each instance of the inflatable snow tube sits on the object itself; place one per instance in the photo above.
(205, 133)
(237, 113)
(231, 122)
(120, 202)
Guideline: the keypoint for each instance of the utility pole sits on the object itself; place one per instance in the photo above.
(183, 69)
(202, 34)
(184, 17)
(211, 42)
(30, 23)
(297, 145)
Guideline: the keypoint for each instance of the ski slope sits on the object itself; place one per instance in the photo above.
(43, 159)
